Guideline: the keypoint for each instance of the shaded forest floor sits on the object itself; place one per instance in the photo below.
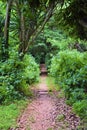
(47, 111)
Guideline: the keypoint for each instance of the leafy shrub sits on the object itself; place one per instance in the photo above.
(75, 95)
(69, 68)
(80, 108)
(16, 76)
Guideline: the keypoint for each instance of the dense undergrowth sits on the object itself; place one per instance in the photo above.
(69, 68)
(9, 114)
(16, 76)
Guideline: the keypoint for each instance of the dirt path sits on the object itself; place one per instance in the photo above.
(47, 112)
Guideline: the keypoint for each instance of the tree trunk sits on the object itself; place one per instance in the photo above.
(22, 34)
(6, 28)
(28, 34)
(41, 27)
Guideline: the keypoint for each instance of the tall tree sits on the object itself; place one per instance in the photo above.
(32, 17)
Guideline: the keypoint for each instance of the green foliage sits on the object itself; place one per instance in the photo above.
(43, 49)
(52, 85)
(69, 68)
(39, 49)
(80, 108)
(75, 95)
(53, 41)
(16, 76)
(70, 19)
(31, 71)
(9, 114)
(60, 117)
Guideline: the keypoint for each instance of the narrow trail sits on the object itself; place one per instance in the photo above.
(44, 111)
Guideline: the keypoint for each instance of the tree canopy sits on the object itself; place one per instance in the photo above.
(73, 17)
(26, 19)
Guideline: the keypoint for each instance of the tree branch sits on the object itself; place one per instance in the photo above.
(40, 28)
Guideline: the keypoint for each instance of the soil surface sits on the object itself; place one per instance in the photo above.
(47, 112)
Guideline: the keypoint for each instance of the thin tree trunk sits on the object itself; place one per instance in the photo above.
(6, 28)
(22, 40)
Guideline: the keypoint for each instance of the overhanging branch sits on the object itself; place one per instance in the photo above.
(40, 28)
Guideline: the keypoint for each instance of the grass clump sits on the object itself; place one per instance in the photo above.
(60, 117)
(51, 84)
(9, 114)
(49, 129)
